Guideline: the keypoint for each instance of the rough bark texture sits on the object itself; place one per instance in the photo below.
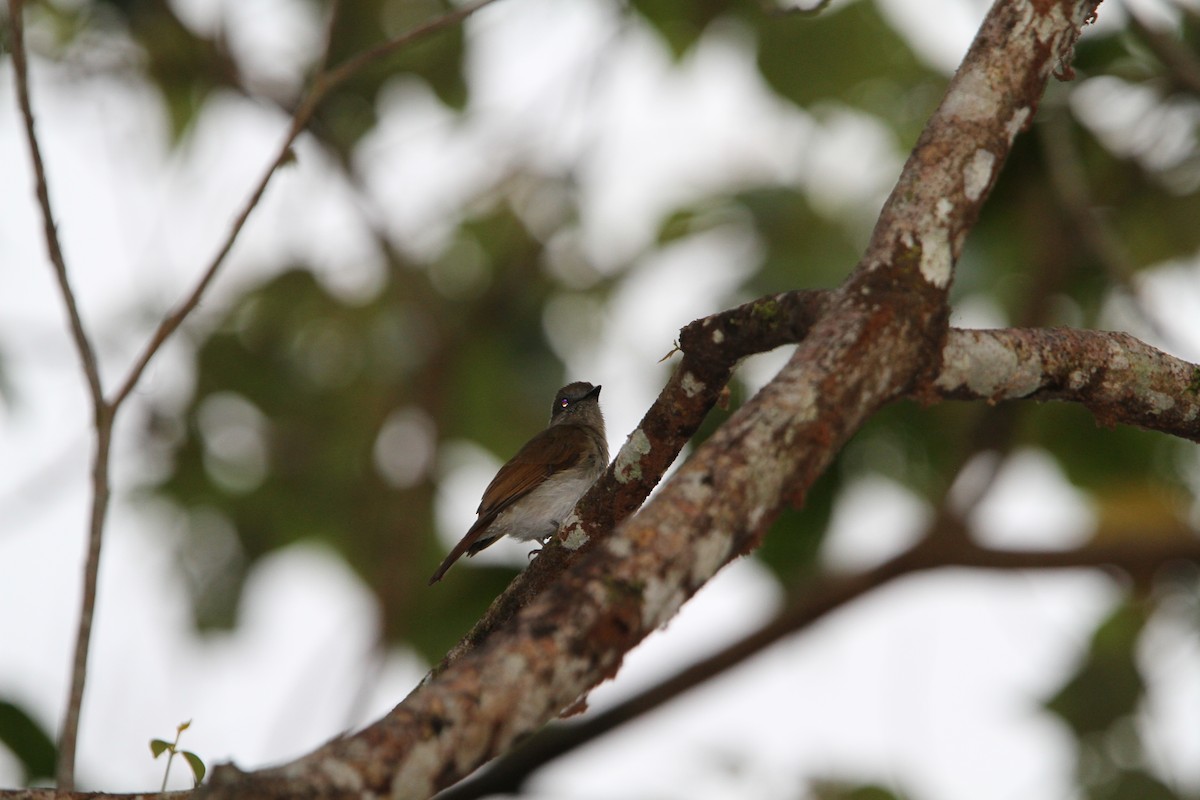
(880, 333)
(567, 623)
(1117, 377)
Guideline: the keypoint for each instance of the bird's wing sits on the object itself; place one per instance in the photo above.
(541, 457)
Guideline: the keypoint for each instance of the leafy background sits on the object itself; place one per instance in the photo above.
(432, 267)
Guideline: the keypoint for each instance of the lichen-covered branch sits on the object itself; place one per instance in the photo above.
(1117, 377)
(1139, 556)
(874, 340)
(711, 348)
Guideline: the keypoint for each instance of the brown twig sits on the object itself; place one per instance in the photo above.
(1069, 182)
(83, 345)
(323, 84)
(1182, 65)
(816, 600)
(104, 411)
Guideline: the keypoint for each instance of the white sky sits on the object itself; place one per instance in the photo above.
(932, 684)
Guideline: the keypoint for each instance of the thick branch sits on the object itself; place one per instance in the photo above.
(881, 331)
(1140, 559)
(711, 349)
(1138, 556)
(871, 342)
(1117, 377)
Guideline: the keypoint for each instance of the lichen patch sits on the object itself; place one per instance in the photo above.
(978, 174)
(629, 459)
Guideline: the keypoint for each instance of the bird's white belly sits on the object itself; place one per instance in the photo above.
(540, 513)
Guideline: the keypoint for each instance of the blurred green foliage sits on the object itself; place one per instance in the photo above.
(28, 742)
(1099, 704)
(300, 392)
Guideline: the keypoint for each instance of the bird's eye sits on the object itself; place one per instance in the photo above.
(564, 403)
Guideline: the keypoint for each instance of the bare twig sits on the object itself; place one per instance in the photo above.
(83, 345)
(1069, 181)
(104, 411)
(323, 84)
(1182, 65)
(357, 63)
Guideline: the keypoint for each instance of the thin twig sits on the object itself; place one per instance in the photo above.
(83, 345)
(102, 412)
(355, 64)
(323, 83)
(1068, 179)
(1182, 65)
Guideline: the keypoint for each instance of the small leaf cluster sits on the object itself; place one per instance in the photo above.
(160, 746)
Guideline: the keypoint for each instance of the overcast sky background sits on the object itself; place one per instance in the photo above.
(931, 685)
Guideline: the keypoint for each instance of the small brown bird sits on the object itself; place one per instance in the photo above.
(534, 492)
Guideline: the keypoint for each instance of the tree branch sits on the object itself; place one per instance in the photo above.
(104, 412)
(1139, 556)
(323, 84)
(1117, 377)
(809, 604)
(711, 347)
(868, 343)
(880, 333)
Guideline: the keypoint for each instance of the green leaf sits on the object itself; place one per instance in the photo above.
(791, 546)
(680, 24)
(351, 112)
(1098, 459)
(847, 56)
(158, 747)
(802, 249)
(27, 741)
(183, 726)
(197, 765)
(1107, 686)
(1135, 785)
(837, 790)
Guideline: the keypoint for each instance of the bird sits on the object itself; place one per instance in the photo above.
(534, 492)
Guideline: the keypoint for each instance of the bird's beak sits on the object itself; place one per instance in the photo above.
(593, 393)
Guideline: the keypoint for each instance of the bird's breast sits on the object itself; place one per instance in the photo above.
(540, 513)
